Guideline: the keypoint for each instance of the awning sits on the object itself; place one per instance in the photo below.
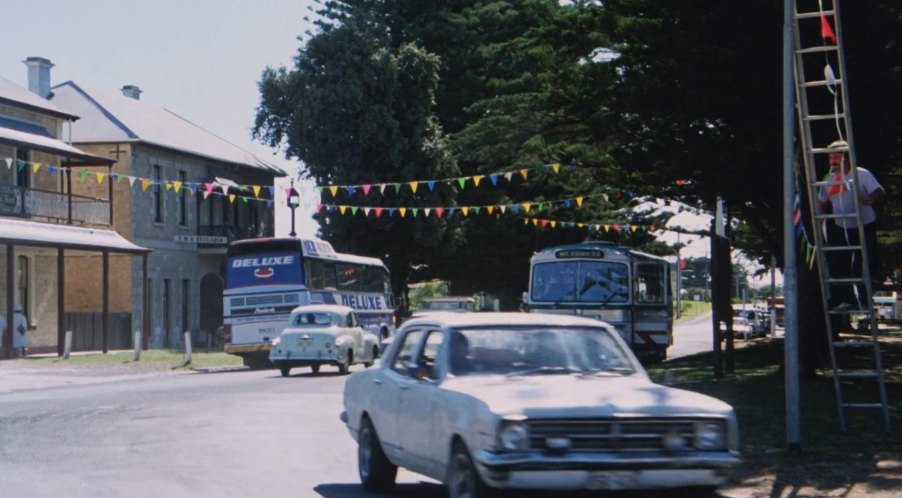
(30, 233)
(53, 146)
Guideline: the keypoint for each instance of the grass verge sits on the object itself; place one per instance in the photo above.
(152, 359)
(828, 460)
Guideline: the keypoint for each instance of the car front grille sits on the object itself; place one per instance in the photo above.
(611, 434)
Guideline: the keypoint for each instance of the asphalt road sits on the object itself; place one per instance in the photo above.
(227, 434)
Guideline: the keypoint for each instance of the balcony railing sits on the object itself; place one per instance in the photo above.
(53, 207)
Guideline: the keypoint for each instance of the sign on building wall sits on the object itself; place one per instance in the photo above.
(201, 239)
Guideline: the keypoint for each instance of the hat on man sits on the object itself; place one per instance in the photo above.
(839, 144)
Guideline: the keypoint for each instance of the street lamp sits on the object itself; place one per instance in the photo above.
(294, 200)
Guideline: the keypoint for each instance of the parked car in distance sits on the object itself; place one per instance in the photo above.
(742, 328)
(446, 303)
(323, 334)
(530, 401)
(757, 320)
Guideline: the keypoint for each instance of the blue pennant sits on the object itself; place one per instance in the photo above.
(431, 184)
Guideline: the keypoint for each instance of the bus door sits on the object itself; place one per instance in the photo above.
(652, 315)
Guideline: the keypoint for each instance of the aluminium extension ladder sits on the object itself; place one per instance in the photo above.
(823, 109)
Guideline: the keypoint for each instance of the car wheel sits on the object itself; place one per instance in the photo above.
(462, 478)
(284, 368)
(374, 355)
(315, 368)
(377, 473)
(345, 365)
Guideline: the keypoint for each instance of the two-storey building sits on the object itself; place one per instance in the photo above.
(46, 226)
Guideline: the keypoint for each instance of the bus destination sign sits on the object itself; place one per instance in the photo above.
(579, 253)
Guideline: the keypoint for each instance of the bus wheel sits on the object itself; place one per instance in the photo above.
(284, 368)
(315, 369)
(345, 365)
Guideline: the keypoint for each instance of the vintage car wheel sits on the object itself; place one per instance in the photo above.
(374, 354)
(377, 473)
(284, 368)
(315, 368)
(345, 365)
(462, 479)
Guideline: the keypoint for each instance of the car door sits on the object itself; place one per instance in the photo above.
(397, 378)
(420, 424)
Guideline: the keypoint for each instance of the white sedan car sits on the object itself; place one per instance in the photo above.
(323, 334)
(530, 401)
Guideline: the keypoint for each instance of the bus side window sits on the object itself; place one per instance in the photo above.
(330, 280)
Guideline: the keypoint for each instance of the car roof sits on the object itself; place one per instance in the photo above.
(451, 319)
(322, 308)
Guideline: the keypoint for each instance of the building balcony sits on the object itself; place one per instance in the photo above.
(54, 207)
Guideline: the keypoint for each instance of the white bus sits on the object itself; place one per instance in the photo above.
(627, 288)
(267, 278)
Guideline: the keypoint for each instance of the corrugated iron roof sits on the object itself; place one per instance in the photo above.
(109, 117)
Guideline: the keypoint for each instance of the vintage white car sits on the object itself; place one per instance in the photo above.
(323, 334)
(530, 401)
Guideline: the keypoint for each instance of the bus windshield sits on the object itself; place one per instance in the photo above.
(580, 281)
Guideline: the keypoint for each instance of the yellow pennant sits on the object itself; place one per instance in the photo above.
(526, 205)
(403, 212)
(535, 222)
(100, 177)
(256, 190)
(556, 167)
(36, 166)
(581, 225)
(634, 227)
(490, 209)
(413, 187)
(526, 221)
(524, 172)
(342, 209)
(553, 223)
(334, 190)
(232, 197)
(145, 184)
(168, 185)
(177, 185)
(477, 179)
(579, 201)
(465, 210)
(607, 228)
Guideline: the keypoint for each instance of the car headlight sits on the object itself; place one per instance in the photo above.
(514, 436)
(710, 436)
(276, 341)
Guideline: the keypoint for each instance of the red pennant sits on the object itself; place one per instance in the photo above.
(616, 228)
(439, 211)
(319, 208)
(378, 212)
(827, 30)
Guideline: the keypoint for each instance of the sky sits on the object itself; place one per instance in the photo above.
(201, 59)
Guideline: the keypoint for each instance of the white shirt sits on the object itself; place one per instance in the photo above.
(842, 199)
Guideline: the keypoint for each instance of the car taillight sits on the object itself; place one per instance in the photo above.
(226, 332)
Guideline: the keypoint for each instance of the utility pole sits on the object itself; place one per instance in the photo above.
(294, 200)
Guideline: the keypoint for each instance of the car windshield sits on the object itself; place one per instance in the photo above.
(536, 351)
(314, 319)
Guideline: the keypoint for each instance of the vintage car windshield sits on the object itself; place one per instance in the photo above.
(315, 319)
(536, 350)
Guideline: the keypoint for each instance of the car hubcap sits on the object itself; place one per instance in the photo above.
(364, 452)
(461, 478)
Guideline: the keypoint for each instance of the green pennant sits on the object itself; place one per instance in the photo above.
(462, 181)
(20, 164)
(83, 174)
(477, 209)
(397, 187)
(244, 198)
(354, 210)
(540, 206)
(414, 211)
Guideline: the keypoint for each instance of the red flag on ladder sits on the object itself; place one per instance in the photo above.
(826, 30)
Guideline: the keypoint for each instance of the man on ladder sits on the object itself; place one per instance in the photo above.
(837, 197)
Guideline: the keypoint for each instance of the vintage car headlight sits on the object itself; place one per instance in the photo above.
(710, 436)
(514, 436)
(276, 341)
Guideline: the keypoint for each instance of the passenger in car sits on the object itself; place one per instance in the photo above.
(461, 363)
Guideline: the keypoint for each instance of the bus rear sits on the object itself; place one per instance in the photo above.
(264, 282)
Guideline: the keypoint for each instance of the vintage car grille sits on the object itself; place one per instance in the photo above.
(610, 434)
(264, 300)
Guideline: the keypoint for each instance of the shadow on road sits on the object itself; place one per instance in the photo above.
(419, 490)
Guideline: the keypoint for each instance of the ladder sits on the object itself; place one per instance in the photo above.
(824, 117)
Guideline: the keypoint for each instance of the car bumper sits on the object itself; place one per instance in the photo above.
(607, 471)
(303, 357)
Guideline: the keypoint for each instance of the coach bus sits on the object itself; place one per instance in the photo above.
(267, 278)
(627, 288)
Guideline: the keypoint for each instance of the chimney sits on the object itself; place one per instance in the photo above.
(132, 92)
(39, 75)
